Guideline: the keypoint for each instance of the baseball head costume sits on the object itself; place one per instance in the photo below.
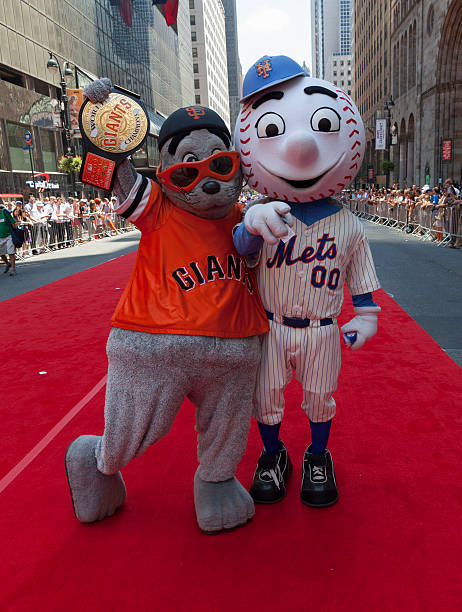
(300, 139)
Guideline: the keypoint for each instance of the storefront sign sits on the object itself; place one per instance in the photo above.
(75, 101)
(42, 181)
(380, 134)
(370, 173)
(446, 150)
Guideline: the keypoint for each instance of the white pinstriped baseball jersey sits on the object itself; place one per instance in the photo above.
(305, 277)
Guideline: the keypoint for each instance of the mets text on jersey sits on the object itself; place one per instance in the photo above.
(327, 249)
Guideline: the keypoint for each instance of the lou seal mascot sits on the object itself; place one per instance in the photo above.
(301, 140)
(188, 325)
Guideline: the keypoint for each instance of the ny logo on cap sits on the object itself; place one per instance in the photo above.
(195, 111)
(264, 68)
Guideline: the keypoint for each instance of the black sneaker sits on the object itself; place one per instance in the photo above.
(319, 488)
(271, 476)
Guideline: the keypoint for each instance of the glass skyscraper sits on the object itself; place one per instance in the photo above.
(146, 57)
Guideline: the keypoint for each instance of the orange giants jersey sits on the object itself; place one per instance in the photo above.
(188, 278)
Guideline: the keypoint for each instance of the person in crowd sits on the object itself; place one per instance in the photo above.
(7, 249)
(23, 221)
(49, 210)
(94, 217)
(107, 210)
(39, 227)
(77, 222)
(65, 215)
(29, 205)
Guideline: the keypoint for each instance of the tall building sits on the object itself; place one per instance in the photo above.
(234, 64)
(372, 87)
(147, 57)
(426, 84)
(331, 42)
(410, 51)
(208, 41)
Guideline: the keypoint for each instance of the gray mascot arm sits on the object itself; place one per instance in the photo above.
(98, 91)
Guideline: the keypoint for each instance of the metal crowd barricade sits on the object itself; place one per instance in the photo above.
(443, 225)
(52, 235)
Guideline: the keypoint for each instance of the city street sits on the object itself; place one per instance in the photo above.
(156, 391)
(426, 281)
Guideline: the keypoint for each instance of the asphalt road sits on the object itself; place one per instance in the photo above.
(424, 279)
(40, 270)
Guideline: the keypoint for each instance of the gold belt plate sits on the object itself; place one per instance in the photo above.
(118, 125)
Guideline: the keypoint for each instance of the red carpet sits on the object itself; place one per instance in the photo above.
(393, 541)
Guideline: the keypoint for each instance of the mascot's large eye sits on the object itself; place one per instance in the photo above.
(325, 120)
(190, 157)
(270, 125)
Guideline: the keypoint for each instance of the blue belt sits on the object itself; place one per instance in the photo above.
(298, 322)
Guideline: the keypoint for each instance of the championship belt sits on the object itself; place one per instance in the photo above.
(111, 131)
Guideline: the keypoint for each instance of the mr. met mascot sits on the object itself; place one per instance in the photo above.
(301, 140)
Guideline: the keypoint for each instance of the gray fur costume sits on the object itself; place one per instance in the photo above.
(150, 375)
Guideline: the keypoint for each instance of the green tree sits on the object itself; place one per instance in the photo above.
(388, 165)
(70, 164)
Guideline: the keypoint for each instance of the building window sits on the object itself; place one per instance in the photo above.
(192, 19)
(193, 36)
(198, 99)
(191, 4)
(196, 68)
(48, 148)
(196, 84)
(194, 51)
(19, 161)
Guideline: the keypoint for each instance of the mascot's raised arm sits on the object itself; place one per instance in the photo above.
(188, 325)
(301, 140)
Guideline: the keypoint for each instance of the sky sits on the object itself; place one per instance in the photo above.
(273, 27)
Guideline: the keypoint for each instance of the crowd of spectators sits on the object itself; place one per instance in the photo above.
(52, 223)
(436, 211)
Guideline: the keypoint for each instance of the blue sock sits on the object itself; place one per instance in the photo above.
(319, 436)
(270, 437)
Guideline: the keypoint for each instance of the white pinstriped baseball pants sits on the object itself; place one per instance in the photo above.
(314, 354)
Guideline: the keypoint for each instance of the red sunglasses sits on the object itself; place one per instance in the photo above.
(185, 176)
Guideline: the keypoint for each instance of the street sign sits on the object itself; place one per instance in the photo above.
(446, 150)
(28, 138)
(27, 146)
(380, 134)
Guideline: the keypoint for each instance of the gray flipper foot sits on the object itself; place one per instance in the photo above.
(221, 505)
(94, 495)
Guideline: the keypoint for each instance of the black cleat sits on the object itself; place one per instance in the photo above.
(271, 476)
(319, 488)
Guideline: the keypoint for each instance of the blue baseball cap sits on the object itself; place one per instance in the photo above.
(269, 70)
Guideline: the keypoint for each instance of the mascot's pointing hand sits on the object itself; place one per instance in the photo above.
(270, 221)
